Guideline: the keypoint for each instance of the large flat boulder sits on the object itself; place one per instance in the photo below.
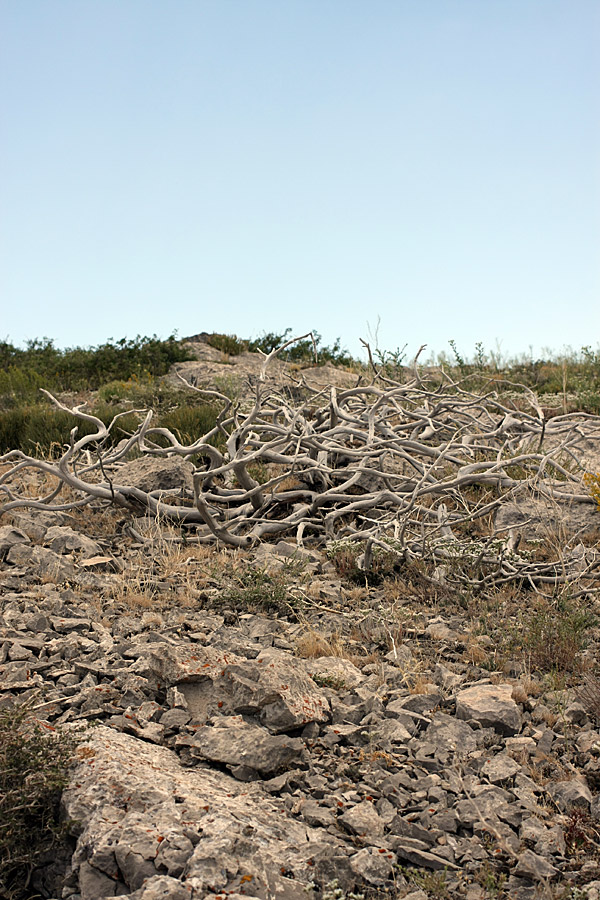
(142, 815)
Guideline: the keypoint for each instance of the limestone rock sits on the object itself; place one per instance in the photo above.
(373, 866)
(162, 887)
(129, 798)
(273, 688)
(451, 734)
(567, 794)
(62, 539)
(534, 867)
(491, 705)
(156, 474)
(500, 768)
(339, 672)
(9, 535)
(40, 561)
(239, 744)
(362, 819)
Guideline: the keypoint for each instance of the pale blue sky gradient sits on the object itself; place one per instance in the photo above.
(248, 165)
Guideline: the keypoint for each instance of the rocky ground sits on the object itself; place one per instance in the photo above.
(258, 726)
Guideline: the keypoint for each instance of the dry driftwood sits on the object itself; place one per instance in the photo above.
(398, 467)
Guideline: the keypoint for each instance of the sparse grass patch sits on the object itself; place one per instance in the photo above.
(553, 634)
(346, 557)
(592, 483)
(433, 883)
(229, 344)
(588, 693)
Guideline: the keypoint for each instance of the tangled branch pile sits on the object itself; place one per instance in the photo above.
(407, 468)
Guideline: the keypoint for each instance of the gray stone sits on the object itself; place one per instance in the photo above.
(592, 891)
(500, 769)
(567, 794)
(9, 536)
(234, 742)
(162, 887)
(534, 867)
(420, 703)
(41, 562)
(451, 734)
(274, 687)
(34, 523)
(62, 539)
(404, 827)
(391, 731)
(319, 816)
(445, 678)
(418, 854)
(153, 474)
(340, 671)
(362, 819)
(491, 705)
(371, 865)
(233, 828)
(536, 518)
(439, 631)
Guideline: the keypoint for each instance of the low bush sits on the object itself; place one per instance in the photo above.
(255, 589)
(37, 429)
(33, 772)
(592, 483)
(229, 344)
(302, 351)
(552, 635)
(41, 364)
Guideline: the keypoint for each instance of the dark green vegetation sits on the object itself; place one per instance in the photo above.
(41, 364)
(124, 375)
(573, 377)
(253, 589)
(33, 772)
(301, 352)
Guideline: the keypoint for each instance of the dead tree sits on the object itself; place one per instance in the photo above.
(404, 468)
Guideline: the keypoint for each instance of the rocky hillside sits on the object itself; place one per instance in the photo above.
(278, 722)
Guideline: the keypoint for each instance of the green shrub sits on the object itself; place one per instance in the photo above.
(33, 773)
(553, 636)
(40, 429)
(345, 555)
(227, 343)
(255, 589)
(592, 483)
(189, 423)
(302, 351)
(40, 363)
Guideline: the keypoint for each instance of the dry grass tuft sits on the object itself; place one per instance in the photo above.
(312, 645)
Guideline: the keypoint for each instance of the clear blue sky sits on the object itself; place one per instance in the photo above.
(248, 165)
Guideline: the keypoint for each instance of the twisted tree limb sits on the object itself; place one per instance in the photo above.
(403, 468)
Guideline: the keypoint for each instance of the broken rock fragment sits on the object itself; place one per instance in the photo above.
(274, 687)
(491, 705)
(244, 746)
